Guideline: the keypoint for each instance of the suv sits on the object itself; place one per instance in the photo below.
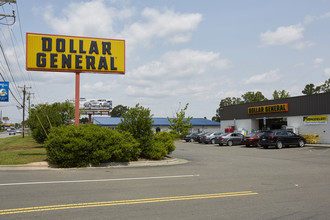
(280, 138)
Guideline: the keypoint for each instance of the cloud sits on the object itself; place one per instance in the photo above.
(302, 45)
(269, 77)
(180, 64)
(317, 62)
(100, 87)
(89, 18)
(282, 35)
(168, 25)
(97, 18)
(177, 73)
(309, 19)
(327, 72)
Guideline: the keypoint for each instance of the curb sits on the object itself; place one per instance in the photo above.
(147, 163)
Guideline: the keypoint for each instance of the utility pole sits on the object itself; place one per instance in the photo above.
(24, 94)
(2, 16)
(29, 99)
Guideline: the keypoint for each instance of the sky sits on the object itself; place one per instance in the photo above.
(177, 52)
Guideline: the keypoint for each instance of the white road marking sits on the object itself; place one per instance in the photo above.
(98, 180)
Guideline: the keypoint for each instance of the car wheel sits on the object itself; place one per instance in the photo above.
(213, 141)
(301, 143)
(230, 143)
(279, 144)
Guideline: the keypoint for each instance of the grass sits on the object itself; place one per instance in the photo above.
(17, 150)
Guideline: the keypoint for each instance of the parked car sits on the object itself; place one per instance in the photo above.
(210, 138)
(231, 139)
(280, 138)
(218, 138)
(252, 139)
(200, 136)
(11, 131)
(190, 137)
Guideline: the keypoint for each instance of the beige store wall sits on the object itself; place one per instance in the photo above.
(323, 130)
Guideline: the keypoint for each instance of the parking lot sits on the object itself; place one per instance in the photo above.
(218, 182)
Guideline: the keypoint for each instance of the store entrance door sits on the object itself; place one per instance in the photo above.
(273, 123)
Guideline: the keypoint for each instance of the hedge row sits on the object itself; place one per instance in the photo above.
(79, 146)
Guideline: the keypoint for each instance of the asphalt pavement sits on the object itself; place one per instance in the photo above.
(227, 182)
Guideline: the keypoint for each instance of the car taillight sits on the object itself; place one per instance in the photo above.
(222, 138)
(250, 139)
(271, 137)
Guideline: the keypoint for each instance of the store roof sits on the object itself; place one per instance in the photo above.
(113, 121)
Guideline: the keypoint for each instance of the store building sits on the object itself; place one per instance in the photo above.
(162, 124)
(306, 115)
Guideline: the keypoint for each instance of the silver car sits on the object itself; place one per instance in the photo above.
(231, 139)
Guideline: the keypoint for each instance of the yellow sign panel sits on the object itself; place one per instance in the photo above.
(269, 108)
(74, 54)
(321, 119)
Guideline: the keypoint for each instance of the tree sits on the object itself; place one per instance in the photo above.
(180, 124)
(44, 116)
(280, 94)
(310, 89)
(118, 111)
(138, 122)
(325, 87)
(253, 97)
(84, 120)
(225, 102)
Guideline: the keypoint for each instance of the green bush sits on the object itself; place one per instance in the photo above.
(74, 146)
(138, 122)
(163, 145)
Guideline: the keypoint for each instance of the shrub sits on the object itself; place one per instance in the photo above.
(138, 122)
(74, 146)
(163, 145)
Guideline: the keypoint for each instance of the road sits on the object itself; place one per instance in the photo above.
(217, 183)
(4, 134)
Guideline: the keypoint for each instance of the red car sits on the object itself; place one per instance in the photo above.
(252, 139)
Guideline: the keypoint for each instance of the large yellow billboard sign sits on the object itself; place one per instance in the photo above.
(74, 54)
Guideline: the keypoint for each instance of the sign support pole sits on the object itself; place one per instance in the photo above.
(77, 97)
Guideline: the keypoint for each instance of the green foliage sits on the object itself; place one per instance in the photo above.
(280, 94)
(73, 146)
(180, 124)
(310, 89)
(325, 87)
(53, 115)
(138, 122)
(253, 97)
(118, 111)
(163, 145)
